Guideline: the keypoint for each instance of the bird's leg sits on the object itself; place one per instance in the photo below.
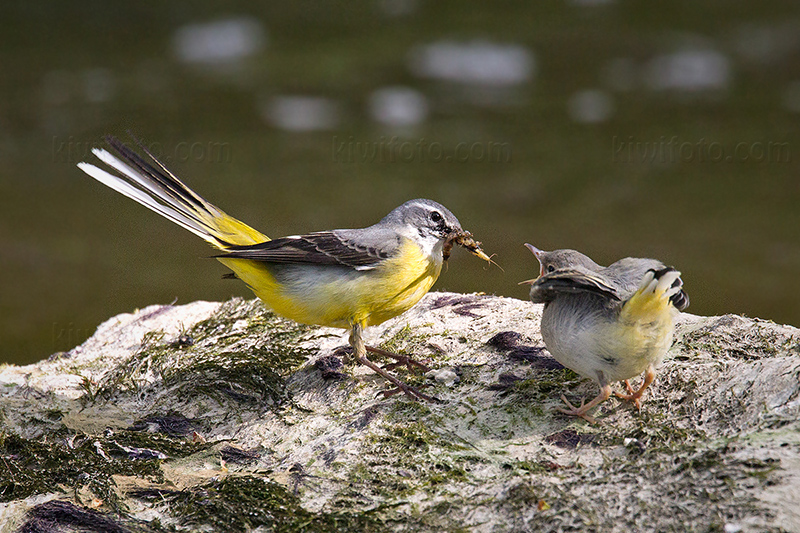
(634, 395)
(360, 355)
(628, 387)
(605, 393)
(400, 360)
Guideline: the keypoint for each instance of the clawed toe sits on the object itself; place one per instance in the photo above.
(577, 411)
(410, 392)
(605, 392)
(400, 360)
(634, 395)
(571, 407)
(634, 398)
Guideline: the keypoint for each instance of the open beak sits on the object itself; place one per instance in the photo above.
(534, 250)
(538, 253)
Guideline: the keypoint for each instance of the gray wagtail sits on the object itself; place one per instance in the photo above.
(607, 323)
(345, 278)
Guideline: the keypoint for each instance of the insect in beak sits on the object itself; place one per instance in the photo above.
(465, 239)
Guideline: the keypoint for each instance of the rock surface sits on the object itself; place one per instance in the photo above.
(224, 417)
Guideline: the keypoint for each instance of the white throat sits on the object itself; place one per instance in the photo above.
(430, 245)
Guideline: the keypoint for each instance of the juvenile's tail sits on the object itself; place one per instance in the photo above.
(158, 189)
(658, 290)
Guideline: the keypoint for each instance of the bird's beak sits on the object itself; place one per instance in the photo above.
(538, 253)
(534, 250)
(528, 282)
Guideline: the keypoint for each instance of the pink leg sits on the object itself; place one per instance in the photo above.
(633, 396)
(360, 354)
(605, 393)
(401, 359)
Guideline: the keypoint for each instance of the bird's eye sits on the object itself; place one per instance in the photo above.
(436, 217)
(550, 268)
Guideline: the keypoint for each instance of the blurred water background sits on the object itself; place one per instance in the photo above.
(613, 127)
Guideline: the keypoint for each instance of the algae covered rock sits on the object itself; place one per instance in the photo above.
(225, 417)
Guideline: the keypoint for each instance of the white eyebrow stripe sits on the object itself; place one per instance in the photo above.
(425, 206)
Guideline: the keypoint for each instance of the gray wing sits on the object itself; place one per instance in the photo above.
(572, 280)
(360, 249)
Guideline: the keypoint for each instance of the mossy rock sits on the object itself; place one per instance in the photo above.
(225, 417)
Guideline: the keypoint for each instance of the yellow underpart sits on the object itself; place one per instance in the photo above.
(340, 297)
(643, 332)
(646, 306)
(230, 230)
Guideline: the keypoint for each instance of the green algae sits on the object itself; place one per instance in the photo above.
(241, 356)
(759, 341)
(492, 448)
(74, 462)
(244, 503)
(408, 342)
(69, 461)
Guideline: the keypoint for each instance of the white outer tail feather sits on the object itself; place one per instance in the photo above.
(648, 283)
(666, 282)
(147, 194)
(662, 285)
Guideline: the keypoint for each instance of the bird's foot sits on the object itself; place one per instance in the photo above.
(635, 395)
(411, 392)
(400, 386)
(632, 396)
(360, 353)
(577, 411)
(605, 392)
(400, 360)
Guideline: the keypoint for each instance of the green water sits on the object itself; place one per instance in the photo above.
(694, 160)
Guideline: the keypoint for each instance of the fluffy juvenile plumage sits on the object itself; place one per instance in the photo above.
(607, 323)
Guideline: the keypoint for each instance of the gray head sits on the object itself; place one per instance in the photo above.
(430, 220)
(550, 261)
(432, 226)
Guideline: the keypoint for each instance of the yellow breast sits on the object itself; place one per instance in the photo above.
(340, 297)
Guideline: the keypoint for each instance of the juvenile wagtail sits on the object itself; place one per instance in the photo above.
(607, 323)
(345, 278)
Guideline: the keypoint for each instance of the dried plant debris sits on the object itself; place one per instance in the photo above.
(331, 367)
(75, 461)
(234, 454)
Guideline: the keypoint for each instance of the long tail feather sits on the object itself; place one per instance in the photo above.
(158, 189)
